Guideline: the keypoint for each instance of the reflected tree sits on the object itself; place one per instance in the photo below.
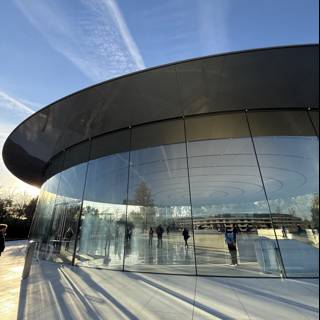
(144, 199)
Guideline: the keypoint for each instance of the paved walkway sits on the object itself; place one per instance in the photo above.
(60, 292)
(11, 266)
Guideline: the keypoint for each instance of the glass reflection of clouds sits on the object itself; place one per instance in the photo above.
(164, 170)
(158, 187)
(224, 174)
(293, 161)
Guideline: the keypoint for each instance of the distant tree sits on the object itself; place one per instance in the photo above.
(17, 215)
(143, 195)
(88, 210)
(30, 208)
(143, 198)
(5, 206)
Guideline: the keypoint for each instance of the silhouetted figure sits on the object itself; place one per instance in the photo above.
(116, 234)
(186, 236)
(68, 235)
(299, 229)
(168, 230)
(231, 241)
(150, 236)
(159, 232)
(235, 230)
(128, 234)
(3, 229)
(284, 232)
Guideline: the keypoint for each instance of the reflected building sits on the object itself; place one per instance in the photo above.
(220, 143)
(245, 222)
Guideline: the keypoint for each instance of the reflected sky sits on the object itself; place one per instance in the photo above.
(224, 176)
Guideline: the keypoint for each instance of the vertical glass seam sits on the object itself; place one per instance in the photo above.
(128, 178)
(190, 200)
(187, 162)
(81, 206)
(283, 271)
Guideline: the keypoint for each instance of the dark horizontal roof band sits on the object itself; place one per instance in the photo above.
(272, 78)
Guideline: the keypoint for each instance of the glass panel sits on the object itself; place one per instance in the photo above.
(288, 155)
(230, 212)
(66, 212)
(159, 231)
(43, 216)
(103, 217)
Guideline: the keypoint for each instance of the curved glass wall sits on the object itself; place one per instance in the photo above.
(103, 219)
(232, 194)
(158, 201)
(289, 151)
(228, 198)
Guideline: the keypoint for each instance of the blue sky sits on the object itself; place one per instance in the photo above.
(51, 48)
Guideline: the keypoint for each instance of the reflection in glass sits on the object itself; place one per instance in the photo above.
(65, 217)
(289, 160)
(43, 215)
(145, 224)
(103, 217)
(58, 210)
(159, 210)
(229, 208)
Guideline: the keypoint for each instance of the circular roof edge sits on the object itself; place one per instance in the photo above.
(221, 82)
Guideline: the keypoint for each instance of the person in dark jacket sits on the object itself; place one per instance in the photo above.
(3, 229)
(150, 236)
(159, 232)
(231, 241)
(186, 236)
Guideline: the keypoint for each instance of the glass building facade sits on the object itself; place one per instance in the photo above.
(163, 196)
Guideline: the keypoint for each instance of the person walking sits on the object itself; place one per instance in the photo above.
(159, 232)
(3, 229)
(186, 236)
(231, 241)
(150, 236)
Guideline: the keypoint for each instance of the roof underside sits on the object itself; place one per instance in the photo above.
(286, 77)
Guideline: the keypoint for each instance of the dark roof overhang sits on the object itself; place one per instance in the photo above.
(281, 77)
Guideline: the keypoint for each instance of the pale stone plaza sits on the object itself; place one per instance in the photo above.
(53, 291)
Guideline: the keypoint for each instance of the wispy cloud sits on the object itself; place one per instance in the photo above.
(13, 104)
(124, 31)
(93, 35)
(183, 29)
(213, 20)
(12, 111)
